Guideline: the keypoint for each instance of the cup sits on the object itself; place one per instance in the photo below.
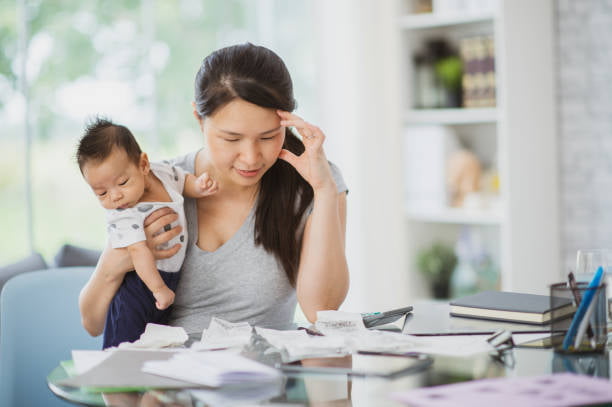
(587, 262)
(573, 330)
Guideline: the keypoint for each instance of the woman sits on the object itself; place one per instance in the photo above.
(274, 233)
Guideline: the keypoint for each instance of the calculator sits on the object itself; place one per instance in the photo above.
(373, 319)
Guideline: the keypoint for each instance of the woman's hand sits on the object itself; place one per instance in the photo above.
(158, 231)
(312, 165)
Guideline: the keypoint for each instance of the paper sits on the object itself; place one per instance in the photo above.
(557, 390)
(454, 345)
(250, 394)
(382, 341)
(122, 370)
(223, 334)
(339, 322)
(279, 339)
(297, 344)
(315, 347)
(520, 339)
(212, 369)
(86, 359)
(158, 336)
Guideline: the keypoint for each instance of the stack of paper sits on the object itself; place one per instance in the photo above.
(212, 369)
(295, 345)
(84, 360)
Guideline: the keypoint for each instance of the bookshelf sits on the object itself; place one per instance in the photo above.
(515, 138)
(454, 216)
(431, 20)
(451, 116)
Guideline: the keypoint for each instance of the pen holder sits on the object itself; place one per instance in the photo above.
(578, 318)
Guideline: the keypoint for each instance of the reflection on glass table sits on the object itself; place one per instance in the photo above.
(341, 389)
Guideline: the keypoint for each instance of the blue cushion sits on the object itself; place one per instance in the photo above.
(40, 324)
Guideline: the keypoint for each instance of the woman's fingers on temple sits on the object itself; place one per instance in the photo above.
(288, 156)
(310, 133)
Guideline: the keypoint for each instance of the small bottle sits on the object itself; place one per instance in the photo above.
(425, 89)
(464, 280)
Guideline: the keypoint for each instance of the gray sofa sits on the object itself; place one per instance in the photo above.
(67, 256)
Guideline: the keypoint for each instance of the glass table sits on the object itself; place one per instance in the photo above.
(342, 390)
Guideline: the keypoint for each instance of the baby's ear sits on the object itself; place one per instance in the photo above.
(144, 163)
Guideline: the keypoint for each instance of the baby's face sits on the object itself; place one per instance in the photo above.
(117, 182)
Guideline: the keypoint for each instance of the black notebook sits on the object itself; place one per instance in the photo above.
(511, 307)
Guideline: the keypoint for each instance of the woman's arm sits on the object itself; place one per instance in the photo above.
(97, 294)
(323, 278)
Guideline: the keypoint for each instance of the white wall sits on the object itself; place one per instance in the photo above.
(358, 67)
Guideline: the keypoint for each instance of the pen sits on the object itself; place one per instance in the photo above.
(467, 333)
(580, 312)
(577, 298)
(400, 354)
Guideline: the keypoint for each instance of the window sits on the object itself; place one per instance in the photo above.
(133, 62)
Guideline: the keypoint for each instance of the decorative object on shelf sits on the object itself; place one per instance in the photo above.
(437, 264)
(421, 6)
(427, 148)
(463, 7)
(478, 83)
(449, 71)
(438, 76)
(486, 270)
(463, 176)
(426, 92)
(464, 279)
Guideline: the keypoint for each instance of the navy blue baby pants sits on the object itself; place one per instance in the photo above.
(133, 307)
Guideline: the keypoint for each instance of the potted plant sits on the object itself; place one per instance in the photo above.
(437, 263)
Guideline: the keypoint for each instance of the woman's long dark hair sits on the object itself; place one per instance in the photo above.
(259, 76)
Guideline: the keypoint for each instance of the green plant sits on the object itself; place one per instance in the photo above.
(449, 70)
(437, 263)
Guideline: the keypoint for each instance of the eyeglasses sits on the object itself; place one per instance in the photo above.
(502, 343)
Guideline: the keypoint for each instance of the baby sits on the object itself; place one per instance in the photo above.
(130, 188)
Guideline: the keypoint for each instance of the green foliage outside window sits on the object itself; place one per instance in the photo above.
(134, 61)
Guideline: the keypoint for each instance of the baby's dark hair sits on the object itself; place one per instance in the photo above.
(100, 136)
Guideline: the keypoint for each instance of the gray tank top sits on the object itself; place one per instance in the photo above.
(237, 282)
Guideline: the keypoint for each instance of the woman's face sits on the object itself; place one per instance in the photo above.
(243, 142)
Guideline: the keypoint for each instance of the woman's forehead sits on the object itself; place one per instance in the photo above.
(243, 117)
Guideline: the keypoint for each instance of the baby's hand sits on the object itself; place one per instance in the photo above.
(205, 185)
(163, 298)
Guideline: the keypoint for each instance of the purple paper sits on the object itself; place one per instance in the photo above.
(555, 390)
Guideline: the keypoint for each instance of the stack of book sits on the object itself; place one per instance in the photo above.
(512, 307)
(478, 82)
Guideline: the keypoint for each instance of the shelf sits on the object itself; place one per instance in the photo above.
(432, 20)
(451, 116)
(455, 215)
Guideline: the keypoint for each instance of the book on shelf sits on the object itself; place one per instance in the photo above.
(478, 81)
(512, 307)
